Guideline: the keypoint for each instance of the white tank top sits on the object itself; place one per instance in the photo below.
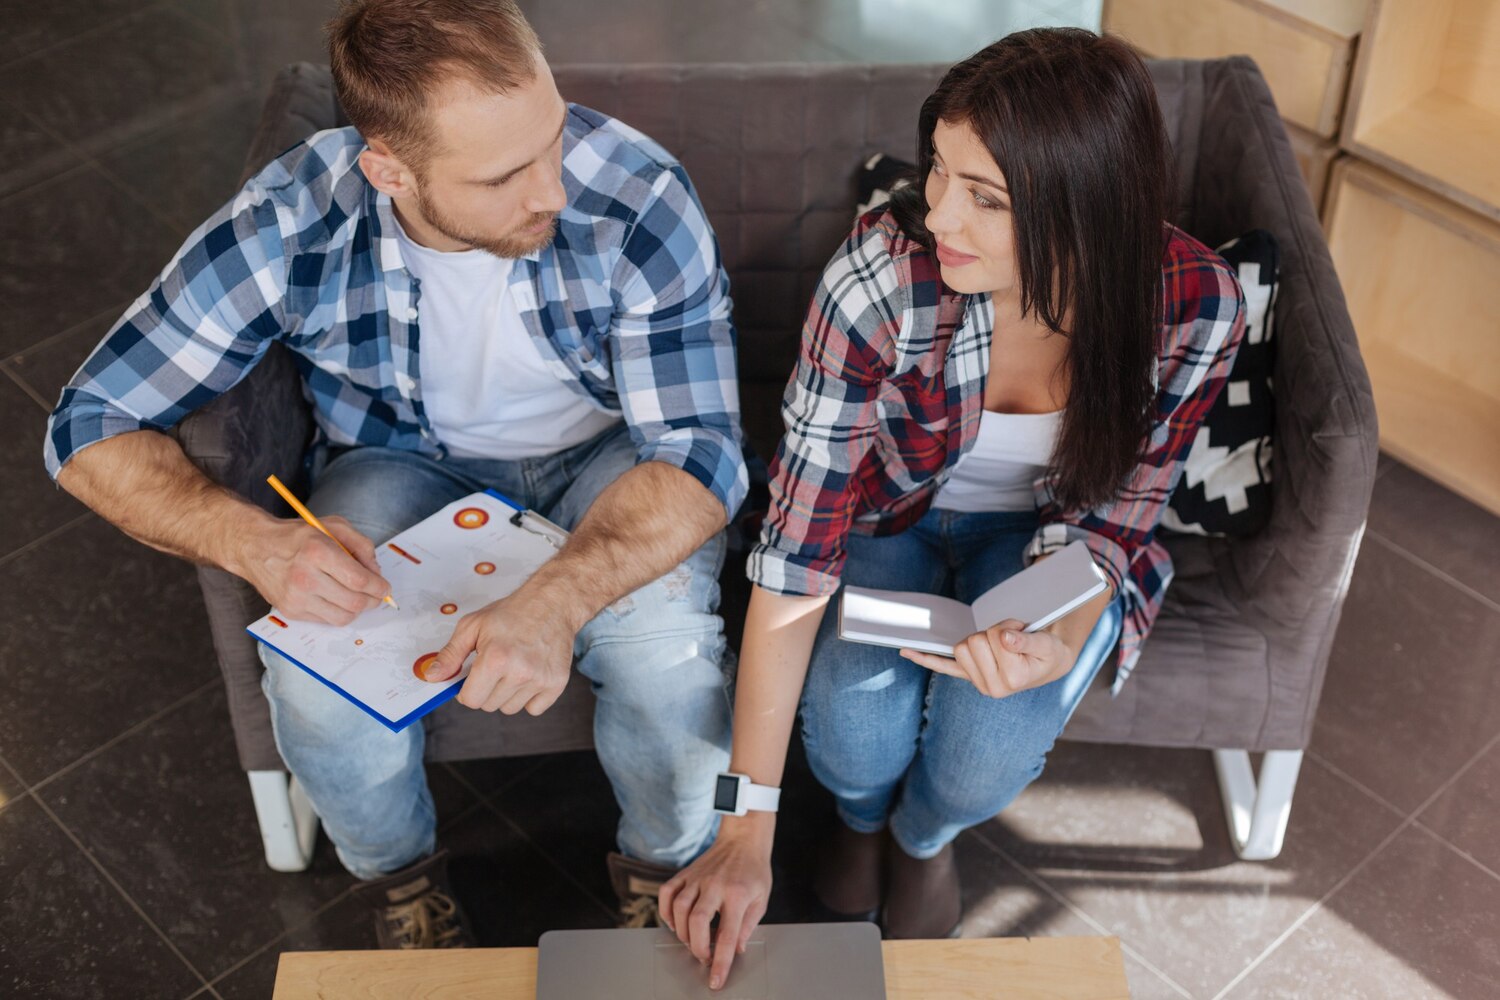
(1010, 451)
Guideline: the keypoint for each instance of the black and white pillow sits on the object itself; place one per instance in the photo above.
(1226, 479)
(879, 176)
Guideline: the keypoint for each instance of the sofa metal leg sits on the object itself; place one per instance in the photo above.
(1257, 810)
(288, 825)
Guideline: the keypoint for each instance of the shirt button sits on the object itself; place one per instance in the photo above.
(411, 314)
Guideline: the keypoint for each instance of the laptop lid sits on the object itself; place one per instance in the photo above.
(782, 962)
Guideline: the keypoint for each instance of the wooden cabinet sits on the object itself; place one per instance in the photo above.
(1304, 47)
(1425, 101)
(1422, 278)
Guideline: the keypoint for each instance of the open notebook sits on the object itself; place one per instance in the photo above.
(1038, 595)
(469, 554)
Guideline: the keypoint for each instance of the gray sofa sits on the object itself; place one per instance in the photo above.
(1235, 663)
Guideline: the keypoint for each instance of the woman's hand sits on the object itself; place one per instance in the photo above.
(1002, 659)
(731, 879)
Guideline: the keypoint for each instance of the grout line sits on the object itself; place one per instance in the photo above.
(121, 737)
(113, 311)
(1078, 912)
(488, 804)
(104, 873)
(1410, 821)
(25, 386)
(562, 869)
(43, 539)
(1417, 560)
(258, 952)
(1338, 772)
(25, 788)
(1418, 824)
(95, 29)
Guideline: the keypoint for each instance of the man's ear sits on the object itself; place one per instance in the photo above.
(385, 171)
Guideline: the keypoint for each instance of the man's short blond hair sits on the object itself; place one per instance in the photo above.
(388, 56)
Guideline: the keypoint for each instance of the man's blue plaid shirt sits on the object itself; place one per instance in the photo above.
(629, 306)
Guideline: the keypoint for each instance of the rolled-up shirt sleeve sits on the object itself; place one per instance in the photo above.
(831, 416)
(673, 343)
(201, 326)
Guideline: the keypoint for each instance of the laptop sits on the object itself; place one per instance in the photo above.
(782, 962)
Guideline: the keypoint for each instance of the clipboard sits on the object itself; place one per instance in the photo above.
(467, 555)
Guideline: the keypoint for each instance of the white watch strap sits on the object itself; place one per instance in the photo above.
(761, 798)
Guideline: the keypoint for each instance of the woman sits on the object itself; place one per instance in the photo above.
(1016, 353)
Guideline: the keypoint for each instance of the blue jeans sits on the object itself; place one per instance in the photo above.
(654, 658)
(924, 753)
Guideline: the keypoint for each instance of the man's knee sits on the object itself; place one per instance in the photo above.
(297, 699)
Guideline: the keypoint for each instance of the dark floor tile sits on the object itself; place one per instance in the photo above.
(1418, 921)
(1439, 527)
(1412, 691)
(12, 788)
(511, 891)
(31, 27)
(1467, 815)
(168, 813)
(272, 33)
(65, 932)
(27, 154)
(567, 808)
(104, 87)
(1135, 838)
(493, 774)
(48, 366)
(190, 169)
(100, 633)
(70, 249)
(345, 926)
(30, 505)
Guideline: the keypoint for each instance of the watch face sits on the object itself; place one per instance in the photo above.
(726, 792)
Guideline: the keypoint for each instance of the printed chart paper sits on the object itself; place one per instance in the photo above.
(467, 555)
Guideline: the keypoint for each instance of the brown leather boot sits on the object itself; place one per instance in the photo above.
(415, 907)
(851, 872)
(923, 899)
(637, 884)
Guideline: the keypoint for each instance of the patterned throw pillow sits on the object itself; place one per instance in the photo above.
(1226, 481)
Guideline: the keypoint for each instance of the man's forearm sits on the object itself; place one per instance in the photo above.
(646, 522)
(144, 484)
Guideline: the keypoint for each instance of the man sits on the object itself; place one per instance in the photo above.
(483, 286)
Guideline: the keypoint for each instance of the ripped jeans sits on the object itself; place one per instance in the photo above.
(654, 658)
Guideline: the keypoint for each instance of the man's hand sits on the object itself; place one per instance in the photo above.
(525, 655)
(304, 574)
(1002, 659)
(731, 880)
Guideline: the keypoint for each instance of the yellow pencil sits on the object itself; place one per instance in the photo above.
(310, 518)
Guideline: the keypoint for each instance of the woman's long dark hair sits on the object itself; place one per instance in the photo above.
(1072, 122)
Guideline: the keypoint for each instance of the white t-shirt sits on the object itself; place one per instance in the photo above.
(1010, 451)
(486, 388)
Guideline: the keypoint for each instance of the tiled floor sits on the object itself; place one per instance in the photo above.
(129, 858)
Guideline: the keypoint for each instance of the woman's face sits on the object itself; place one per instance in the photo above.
(969, 213)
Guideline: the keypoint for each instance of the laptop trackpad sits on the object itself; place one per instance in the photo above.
(679, 976)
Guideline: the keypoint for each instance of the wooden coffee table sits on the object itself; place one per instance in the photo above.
(1078, 968)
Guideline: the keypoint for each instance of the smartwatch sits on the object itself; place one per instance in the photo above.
(736, 794)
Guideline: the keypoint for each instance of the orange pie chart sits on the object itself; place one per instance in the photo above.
(423, 662)
(471, 517)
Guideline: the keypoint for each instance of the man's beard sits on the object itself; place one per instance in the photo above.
(510, 247)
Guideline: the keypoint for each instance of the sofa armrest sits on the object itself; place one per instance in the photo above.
(1291, 578)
